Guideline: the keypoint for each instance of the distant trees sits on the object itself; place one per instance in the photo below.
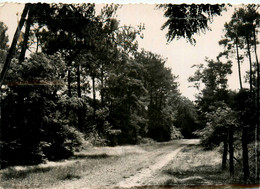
(160, 85)
(125, 97)
(3, 36)
(187, 118)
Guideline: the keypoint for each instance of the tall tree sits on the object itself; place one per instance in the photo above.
(232, 43)
(8, 60)
(214, 97)
(59, 34)
(244, 30)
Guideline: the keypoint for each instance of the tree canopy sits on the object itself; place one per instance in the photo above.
(186, 20)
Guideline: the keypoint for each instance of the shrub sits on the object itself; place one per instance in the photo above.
(61, 141)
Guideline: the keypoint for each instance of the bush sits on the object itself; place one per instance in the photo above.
(61, 141)
(176, 133)
(146, 141)
(96, 139)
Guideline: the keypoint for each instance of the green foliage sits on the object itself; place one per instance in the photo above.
(244, 105)
(3, 37)
(58, 32)
(176, 133)
(34, 130)
(218, 122)
(245, 20)
(186, 20)
(214, 78)
(126, 97)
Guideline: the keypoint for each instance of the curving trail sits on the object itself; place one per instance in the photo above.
(142, 178)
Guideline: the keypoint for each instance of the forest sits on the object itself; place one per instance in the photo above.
(72, 75)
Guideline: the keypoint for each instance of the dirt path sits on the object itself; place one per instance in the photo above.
(144, 175)
(126, 166)
(108, 167)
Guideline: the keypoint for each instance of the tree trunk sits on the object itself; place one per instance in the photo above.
(245, 154)
(0, 126)
(224, 157)
(231, 151)
(37, 45)
(238, 64)
(26, 37)
(102, 85)
(79, 96)
(69, 80)
(78, 81)
(257, 112)
(70, 59)
(250, 64)
(69, 87)
(94, 97)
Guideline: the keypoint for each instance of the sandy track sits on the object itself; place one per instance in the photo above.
(142, 178)
(128, 166)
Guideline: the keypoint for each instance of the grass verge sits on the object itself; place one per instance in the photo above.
(43, 177)
(195, 167)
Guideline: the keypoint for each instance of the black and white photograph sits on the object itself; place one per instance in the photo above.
(129, 95)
